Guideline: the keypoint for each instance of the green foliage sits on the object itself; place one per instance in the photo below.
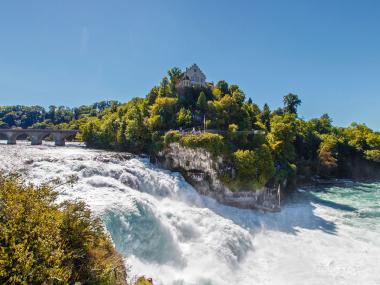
(254, 167)
(42, 242)
(291, 103)
(228, 110)
(373, 155)
(174, 76)
(202, 102)
(165, 89)
(264, 118)
(184, 118)
(144, 281)
(222, 86)
(171, 137)
(211, 142)
(359, 135)
(38, 117)
(125, 128)
(162, 113)
(327, 153)
(282, 137)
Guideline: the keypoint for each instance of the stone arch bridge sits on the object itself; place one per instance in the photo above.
(37, 135)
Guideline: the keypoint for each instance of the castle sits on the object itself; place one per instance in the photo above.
(192, 77)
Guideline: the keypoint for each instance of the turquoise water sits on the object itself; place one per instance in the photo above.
(356, 204)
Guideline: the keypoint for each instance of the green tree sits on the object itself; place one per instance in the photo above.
(291, 103)
(282, 137)
(202, 102)
(254, 167)
(222, 86)
(328, 154)
(163, 114)
(184, 118)
(165, 90)
(174, 77)
(264, 117)
(136, 133)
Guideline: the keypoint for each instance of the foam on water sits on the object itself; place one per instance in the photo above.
(166, 230)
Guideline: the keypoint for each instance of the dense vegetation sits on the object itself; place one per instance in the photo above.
(43, 242)
(37, 117)
(273, 144)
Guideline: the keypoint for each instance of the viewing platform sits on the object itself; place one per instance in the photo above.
(37, 135)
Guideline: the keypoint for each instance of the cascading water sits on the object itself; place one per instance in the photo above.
(167, 231)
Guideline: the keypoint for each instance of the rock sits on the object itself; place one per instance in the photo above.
(202, 171)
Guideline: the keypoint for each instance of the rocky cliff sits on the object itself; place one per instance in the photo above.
(203, 172)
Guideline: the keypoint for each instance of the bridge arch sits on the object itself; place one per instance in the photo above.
(37, 135)
(3, 137)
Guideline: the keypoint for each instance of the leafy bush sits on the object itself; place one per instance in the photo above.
(211, 142)
(171, 137)
(42, 242)
(373, 155)
(144, 281)
(254, 167)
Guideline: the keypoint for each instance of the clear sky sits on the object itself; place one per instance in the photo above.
(76, 52)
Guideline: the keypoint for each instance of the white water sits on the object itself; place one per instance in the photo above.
(167, 231)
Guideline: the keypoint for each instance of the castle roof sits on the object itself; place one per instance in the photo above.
(194, 65)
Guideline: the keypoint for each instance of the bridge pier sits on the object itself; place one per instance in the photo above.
(60, 141)
(36, 139)
(11, 137)
(59, 138)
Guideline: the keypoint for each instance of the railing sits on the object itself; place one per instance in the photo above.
(215, 131)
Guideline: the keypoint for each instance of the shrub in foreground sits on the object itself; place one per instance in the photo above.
(42, 242)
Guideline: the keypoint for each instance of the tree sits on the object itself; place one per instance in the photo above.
(152, 95)
(254, 167)
(174, 77)
(136, 133)
(282, 137)
(222, 86)
(328, 153)
(322, 125)
(202, 102)
(164, 88)
(291, 103)
(162, 115)
(184, 117)
(265, 117)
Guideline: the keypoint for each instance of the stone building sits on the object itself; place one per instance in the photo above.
(192, 77)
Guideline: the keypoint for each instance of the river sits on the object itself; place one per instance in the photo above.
(167, 231)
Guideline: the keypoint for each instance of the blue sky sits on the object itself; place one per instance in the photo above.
(76, 52)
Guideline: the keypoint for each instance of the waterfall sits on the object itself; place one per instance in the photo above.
(167, 231)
